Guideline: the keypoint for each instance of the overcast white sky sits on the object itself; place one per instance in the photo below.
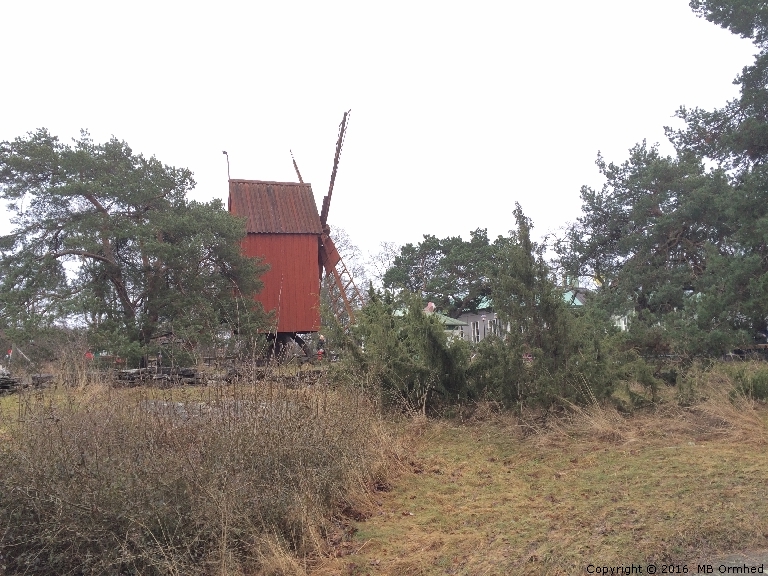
(458, 109)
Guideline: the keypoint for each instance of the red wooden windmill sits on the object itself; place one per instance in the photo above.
(284, 230)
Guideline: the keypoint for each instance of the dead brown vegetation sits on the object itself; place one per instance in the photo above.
(248, 478)
(537, 492)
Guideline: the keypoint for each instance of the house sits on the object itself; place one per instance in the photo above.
(480, 323)
(575, 296)
(485, 322)
(452, 327)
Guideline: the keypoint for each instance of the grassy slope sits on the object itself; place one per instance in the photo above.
(674, 486)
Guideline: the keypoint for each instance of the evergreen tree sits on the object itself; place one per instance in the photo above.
(451, 272)
(107, 239)
(680, 243)
(548, 351)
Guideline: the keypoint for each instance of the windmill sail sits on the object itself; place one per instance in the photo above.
(344, 294)
(337, 156)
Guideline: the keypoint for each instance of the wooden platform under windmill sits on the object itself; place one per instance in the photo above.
(285, 230)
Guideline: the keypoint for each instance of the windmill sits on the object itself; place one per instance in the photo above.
(284, 229)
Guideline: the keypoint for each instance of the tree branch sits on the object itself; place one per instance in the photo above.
(93, 200)
(78, 253)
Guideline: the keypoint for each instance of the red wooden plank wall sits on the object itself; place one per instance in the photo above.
(292, 285)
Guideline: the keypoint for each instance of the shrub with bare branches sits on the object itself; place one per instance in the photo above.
(217, 480)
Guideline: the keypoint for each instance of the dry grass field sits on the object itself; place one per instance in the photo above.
(229, 479)
(265, 479)
(502, 494)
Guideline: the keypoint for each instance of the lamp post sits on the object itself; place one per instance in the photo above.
(227, 155)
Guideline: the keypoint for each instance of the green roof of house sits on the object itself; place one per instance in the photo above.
(574, 297)
(448, 321)
(444, 320)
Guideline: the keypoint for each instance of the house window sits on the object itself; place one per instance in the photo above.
(493, 326)
(475, 332)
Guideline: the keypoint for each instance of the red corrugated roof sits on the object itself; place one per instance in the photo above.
(275, 207)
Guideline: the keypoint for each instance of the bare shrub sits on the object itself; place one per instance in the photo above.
(726, 408)
(709, 403)
(482, 410)
(227, 480)
(595, 421)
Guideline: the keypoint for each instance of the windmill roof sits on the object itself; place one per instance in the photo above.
(275, 207)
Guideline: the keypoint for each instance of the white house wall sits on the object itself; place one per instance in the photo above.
(479, 326)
